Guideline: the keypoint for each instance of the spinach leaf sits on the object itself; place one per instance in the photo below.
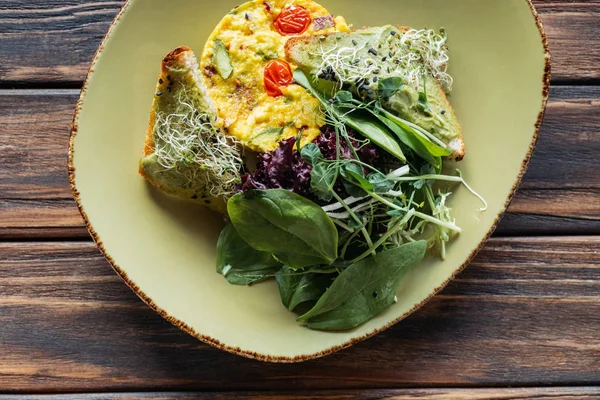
(374, 130)
(388, 87)
(240, 263)
(222, 60)
(358, 120)
(364, 290)
(413, 141)
(292, 228)
(380, 182)
(433, 149)
(296, 289)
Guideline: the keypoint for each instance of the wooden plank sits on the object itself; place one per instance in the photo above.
(560, 193)
(53, 41)
(566, 393)
(525, 313)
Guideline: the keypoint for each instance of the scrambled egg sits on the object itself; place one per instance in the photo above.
(251, 38)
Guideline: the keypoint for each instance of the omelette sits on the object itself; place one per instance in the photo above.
(249, 78)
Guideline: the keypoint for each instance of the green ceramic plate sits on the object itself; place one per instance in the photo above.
(165, 249)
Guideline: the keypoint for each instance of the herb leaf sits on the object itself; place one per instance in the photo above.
(322, 180)
(354, 181)
(364, 290)
(296, 289)
(412, 140)
(360, 121)
(292, 228)
(311, 154)
(222, 60)
(239, 262)
(373, 130)
(381, 184)
(343, 96)
(388, 87)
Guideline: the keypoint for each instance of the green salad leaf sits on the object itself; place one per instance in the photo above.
(428, 151)
(364, 289)
(358, 120)
(388, 87)
(373, 130)
(380, 182)
(354, 180)
(292, 228)
(296, 289)
(240, 263)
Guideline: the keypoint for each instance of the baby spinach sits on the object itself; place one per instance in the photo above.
(433, 149)
(364, 290)
(296, 289)
(373, 130)
(358, 120)
(292, 228)
(412, 140)
(240, 263)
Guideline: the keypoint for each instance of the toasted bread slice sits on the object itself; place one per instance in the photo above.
(372, 45)
(182, 123)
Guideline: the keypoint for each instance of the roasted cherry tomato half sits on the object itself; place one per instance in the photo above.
(293, 20)
(277, 73)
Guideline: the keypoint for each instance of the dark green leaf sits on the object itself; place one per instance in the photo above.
(388, 87)
(364, 290)
(354, 181)
(360, 121)
(276, 132)
(423, 104)
(412, 140)
(433, 149)
(222, 60)
(292, 228)
(371, 128)
(296, 289)
(322, 180)
(343, 96)
(240, 263)
(381, 184)
(311, 154)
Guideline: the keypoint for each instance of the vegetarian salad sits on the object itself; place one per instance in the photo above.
(323, 146)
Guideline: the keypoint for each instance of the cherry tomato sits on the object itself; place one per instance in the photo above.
(293, 20)
(277, 73)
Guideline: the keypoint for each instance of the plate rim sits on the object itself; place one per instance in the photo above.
(333, 349)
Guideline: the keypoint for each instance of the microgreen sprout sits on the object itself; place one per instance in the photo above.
(188, 141)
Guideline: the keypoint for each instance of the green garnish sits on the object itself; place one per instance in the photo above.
(222, 60)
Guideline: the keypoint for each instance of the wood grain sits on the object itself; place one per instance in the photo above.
(52, 42)
(567, 393)
(560, 193)
(525, 313)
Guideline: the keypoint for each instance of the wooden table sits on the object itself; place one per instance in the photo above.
(525, 314)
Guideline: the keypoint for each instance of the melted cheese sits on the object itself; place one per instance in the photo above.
(245, 110)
